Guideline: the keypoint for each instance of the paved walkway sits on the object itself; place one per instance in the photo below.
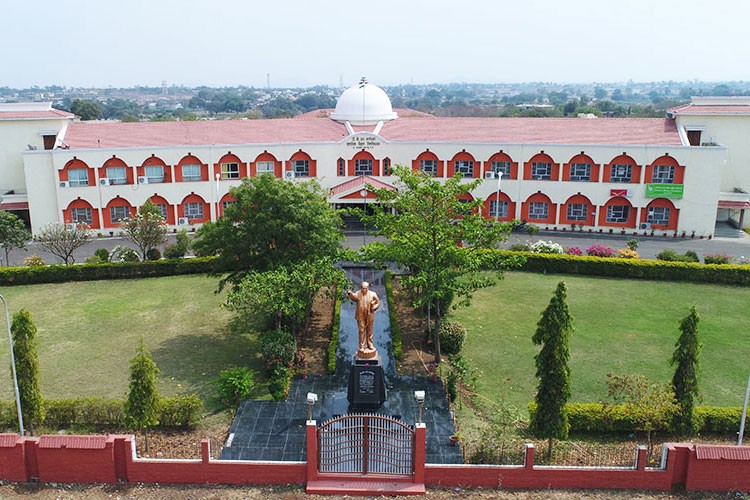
(275, 430)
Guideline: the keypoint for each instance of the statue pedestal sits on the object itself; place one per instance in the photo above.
(366, 384)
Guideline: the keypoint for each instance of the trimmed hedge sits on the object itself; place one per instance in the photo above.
(175, 412)
(610, 418)
(398, 349)
(11, 276)
(727, 274)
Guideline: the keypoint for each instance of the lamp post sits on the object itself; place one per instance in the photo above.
(363, 194)
(312, 398)
(419, 397)
(13, 367)
(497, 197)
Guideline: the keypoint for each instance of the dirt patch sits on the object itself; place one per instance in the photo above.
(418, 354)
(313, 342)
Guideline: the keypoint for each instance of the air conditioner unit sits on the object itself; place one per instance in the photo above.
(489, 175)
(289, 174)
(104, 181)
(645, 225)
(64, 184)
(142, 179)
(183, 221)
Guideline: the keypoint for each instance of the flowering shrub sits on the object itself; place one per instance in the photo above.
(627, 253)
(599, 251)
(716, 258)
(542, 246)
(574, 251)
(33, 261)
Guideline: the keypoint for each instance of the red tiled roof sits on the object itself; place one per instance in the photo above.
(14, 205)
(715, 109)
(660, 131)
(719, 452)
(8, 440)
(34, 115)
(648, 131)
(144, 134)
(359, 181)
(76, 442)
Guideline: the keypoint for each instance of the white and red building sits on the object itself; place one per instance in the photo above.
(679, 173)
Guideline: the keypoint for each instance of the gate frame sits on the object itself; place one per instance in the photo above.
(419, 453)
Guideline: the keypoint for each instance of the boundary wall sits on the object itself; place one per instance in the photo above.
(111, 459)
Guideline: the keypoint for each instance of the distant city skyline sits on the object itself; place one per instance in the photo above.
(294, 43)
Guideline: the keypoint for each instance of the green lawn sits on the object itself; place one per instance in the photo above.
(88, 332)
(621, 326)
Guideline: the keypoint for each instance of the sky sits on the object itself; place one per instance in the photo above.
(300, 43)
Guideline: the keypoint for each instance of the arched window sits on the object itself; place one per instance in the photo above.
(541, 167)
(155, 171)
(226, 200)
(117, 209)
(539, 209)
(341, 167)
(502, 162)
(617, 212)
(230, 168)
(581, 168)
(116, 171)
(464, 165)
(428, 163)
(386, 166)
(191, 169)
(194, 209)
(665, 170)
(82, 212)
(302, 165)
(363, 163)
(166, 209)
(661, 214)
(578, 209)
(622, 169)
(266, 163)
(76, 173)
(502, 206)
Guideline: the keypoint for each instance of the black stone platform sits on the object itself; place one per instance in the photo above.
(275, 430)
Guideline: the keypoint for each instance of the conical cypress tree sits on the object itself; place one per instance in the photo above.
(27, 368)
(685, 380)
(142, 406)
(553, 333)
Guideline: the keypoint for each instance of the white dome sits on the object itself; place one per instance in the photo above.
(363, 104)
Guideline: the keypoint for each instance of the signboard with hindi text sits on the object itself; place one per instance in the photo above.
(674, 191)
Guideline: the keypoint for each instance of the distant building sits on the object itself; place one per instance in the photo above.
(679, 173)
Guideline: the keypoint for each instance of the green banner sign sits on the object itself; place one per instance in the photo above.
(674, 191)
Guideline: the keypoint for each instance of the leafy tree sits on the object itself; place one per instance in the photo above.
(553, 334)
(274, 223)
(285, 294)
(13, 234)
(27, 368)
(651, 405)
(61, 240)
(142, 405)
(425, 224)
(235, 385)
(181, 246)
(146, 229)
(686, 376)
(87, 109)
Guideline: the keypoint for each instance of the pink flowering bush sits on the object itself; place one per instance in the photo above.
(600, 251)
(574, 251)
(716, 258)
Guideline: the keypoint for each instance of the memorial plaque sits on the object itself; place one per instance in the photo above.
(366, 385)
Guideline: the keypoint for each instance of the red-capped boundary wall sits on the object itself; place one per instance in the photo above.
(112, 459)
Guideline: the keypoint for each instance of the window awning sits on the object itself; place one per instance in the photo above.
(14, 205)
(736, 205)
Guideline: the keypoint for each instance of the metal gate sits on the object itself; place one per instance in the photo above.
(366, 444)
